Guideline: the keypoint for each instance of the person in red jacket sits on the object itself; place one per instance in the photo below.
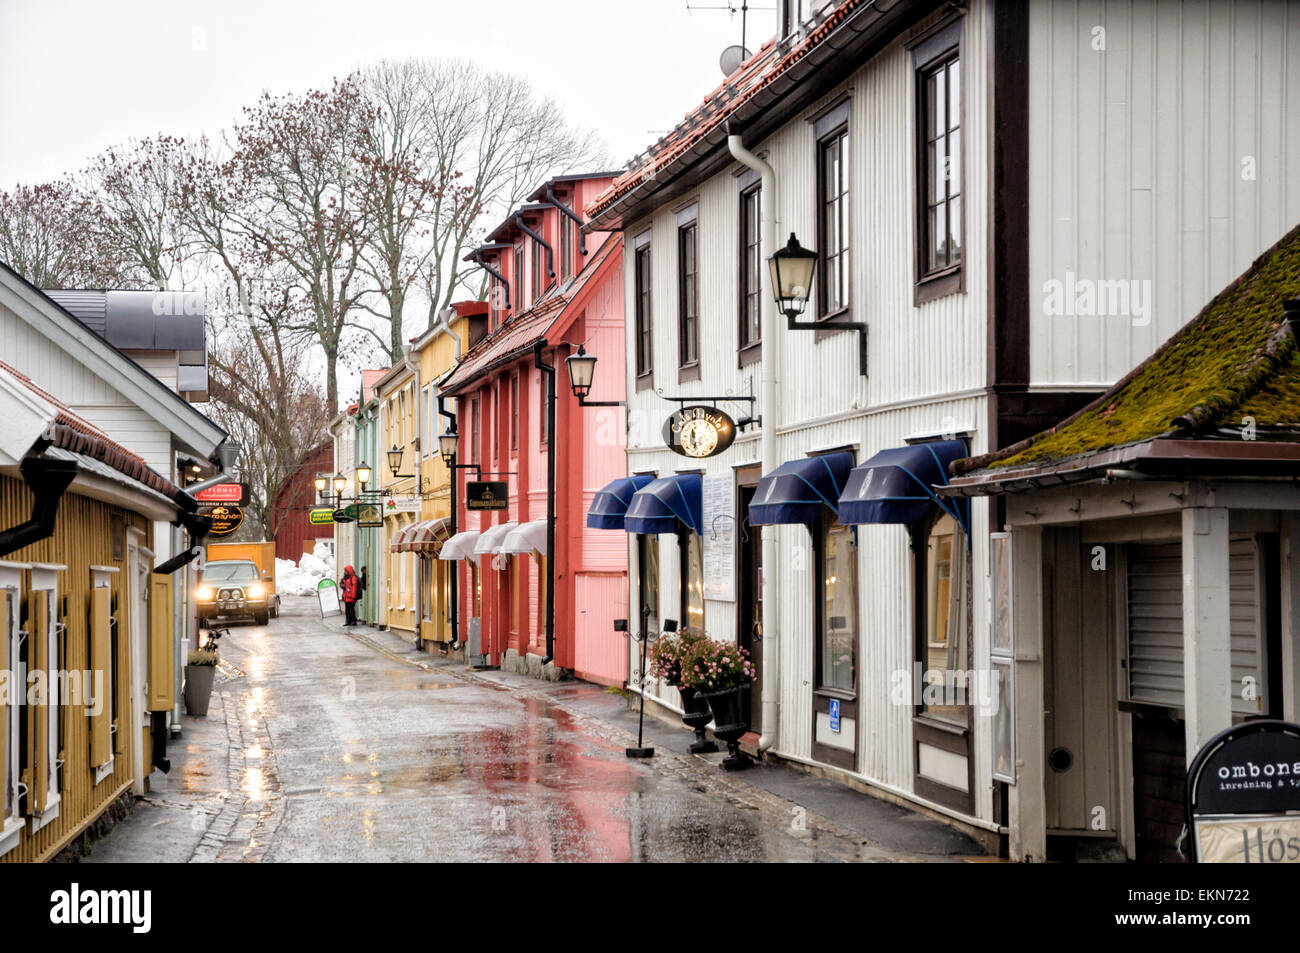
(351, 587)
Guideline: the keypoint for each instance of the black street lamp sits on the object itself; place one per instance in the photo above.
(792, 269)
(322, 480)
(363, 475)
(395, 462)
(582, 368)
(340, 482)
(447, 444)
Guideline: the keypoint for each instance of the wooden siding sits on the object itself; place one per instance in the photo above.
(82, 538)
(1137, 155)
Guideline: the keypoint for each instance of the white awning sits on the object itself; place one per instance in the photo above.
(460, 546)
(489, 543)
(528, 538)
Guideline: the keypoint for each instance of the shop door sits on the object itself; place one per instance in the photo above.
(750, 628)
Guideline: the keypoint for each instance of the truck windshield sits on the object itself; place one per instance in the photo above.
(229, 572)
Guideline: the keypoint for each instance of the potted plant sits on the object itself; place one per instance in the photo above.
(721, 674)
(199, 673)
(666, 664)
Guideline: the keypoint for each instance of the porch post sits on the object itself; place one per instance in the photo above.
(1290, 546)
(1207, 657)
(1027, 798)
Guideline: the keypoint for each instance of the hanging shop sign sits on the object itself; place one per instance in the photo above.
(369, 515)
(225, 519)
(699, 431)
(341, 515)
(487, 495)
(401, 504)
(320, 516)
(1243, 796)
(221, 493)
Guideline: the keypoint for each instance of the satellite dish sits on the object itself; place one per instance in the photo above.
(731, 59)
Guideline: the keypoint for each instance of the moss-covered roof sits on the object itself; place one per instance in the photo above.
(1235, 359)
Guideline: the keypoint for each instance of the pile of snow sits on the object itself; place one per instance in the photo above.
(301, 579)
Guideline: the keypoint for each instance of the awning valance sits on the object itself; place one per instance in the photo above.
(398, 539)
(894, 486)
(424, 538)
(799, 491)
(666, 504)
(490, 540)
(460, 546)
(526, 538)
(611, 501)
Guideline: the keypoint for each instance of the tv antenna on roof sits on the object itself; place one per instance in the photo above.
(732, 7)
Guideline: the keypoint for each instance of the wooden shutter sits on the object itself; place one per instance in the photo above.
(162, 658)
(1155, 623)
(39, 719)
(101, 738)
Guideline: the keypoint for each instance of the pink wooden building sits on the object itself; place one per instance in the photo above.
(552, 289)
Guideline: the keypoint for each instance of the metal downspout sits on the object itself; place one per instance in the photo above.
(549, 371)
(771, 367)
(477, 257)
(571, 214)
(48, 480)
(550, 255)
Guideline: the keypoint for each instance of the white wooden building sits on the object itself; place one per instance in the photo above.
(963, 173)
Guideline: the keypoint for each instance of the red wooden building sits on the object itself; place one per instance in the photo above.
(293, 534)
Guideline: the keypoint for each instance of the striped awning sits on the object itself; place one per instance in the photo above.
(398, 539)
(425, 538)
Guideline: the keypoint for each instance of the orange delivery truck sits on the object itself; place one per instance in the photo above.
(260, 554)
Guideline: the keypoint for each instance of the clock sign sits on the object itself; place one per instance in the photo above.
(699, 431)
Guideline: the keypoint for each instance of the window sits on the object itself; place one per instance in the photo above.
(837, 619)
(565, 227)
(519, 278)
(514, 412)
(538, 270)
(692, 582)
(11, 822)
(42, 654)
(939, 169)
(644, 317)
(946, 656)
(833, 213)
(751, 265)
(103, 628)
(473, 430)
(688, 298)
(647, 562)
(542, 418)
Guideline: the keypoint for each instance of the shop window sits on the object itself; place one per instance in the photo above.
(837, 616)
(945, 657)
(647, 562)
(692, 582)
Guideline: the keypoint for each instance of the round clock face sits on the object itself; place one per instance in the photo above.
(699, 437)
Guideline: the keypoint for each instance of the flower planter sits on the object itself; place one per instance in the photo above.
(696, 714)
(198, 688)
(731, 720)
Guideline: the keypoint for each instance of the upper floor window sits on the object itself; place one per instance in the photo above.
(539, 281)
(473, 430)
(939, 168)
(566, 247)
(644, 316)
(519, 277)
(514, 412)
(751, 265)
(833, 210)
(688, 295)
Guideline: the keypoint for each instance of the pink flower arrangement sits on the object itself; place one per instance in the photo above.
(666, 655)
(709, 666)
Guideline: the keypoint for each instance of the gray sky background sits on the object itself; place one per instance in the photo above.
(81, 76)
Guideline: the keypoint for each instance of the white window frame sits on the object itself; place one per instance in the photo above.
(11, 828)
(101, 578)
(45, 578)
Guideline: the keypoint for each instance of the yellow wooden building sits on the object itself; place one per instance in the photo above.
(86, 646)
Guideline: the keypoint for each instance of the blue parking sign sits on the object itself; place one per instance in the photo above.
(835, 715)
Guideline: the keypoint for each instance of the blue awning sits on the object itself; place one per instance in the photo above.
(612, 500)
(665, 504)
(798, 491)
(894, 485)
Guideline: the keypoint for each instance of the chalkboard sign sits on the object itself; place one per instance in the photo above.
(1243, 796)
(327, 592)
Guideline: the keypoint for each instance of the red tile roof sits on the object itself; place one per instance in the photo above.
(517, 336)
(753, 76)
(76, 434)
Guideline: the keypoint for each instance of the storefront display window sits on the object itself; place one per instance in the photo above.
(838, 595)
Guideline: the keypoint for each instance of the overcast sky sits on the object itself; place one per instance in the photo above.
(81, 76)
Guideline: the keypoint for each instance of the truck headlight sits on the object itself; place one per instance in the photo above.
(257, 590)
(205, 593)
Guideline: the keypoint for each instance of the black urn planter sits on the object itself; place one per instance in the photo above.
(731, 720)
(696, 714)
